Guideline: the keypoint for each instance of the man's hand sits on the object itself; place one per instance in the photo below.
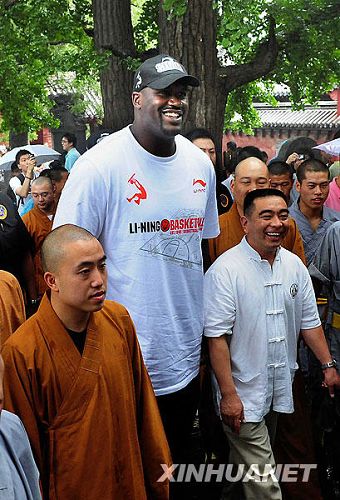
(30, 165)
(232, 411)
(292, 158)
(331, 379)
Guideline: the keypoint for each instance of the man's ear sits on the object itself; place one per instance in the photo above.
(136, 99)
(298, 186)
(232, 183)
(244, 223)
(51, 281)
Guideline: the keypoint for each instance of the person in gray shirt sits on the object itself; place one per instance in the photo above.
(312, 217)
(19, 476)
(326, 268)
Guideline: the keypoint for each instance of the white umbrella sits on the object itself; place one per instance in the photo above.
(42, 154)
(331, 147)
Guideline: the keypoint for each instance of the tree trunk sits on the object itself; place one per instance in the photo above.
(192, 40)
(113, 32)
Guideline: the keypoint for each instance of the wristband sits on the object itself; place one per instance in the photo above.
(30, 178)
(330, 364)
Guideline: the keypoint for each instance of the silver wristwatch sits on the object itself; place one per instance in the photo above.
(330, 364)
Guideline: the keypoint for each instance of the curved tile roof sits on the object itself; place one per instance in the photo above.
(282, 116)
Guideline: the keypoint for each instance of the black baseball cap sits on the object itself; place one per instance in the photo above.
(161, 71)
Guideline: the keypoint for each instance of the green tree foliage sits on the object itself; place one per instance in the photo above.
(307, 34)
(38, 40)
(41, 39)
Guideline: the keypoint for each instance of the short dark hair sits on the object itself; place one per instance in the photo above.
(55, 174)
(310, 165)
(279, 167)
(199, 133)
(249, 152)
(55, 164)
(248, 204)
(21, 153)
(264, 156)
(45, 173)
(14, 168)
(231, 145)
(71, 138)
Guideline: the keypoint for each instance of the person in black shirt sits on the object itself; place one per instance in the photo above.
(15, 248)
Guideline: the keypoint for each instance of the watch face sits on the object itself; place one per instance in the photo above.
(330, 364)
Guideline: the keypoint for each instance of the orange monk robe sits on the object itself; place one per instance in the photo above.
(92, 420)
(231, 233)
(39, 225)
(12, 309)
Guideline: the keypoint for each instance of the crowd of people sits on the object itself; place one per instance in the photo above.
(115, 344)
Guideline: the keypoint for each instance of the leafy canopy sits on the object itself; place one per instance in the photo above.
(39, 40)
(307, 34)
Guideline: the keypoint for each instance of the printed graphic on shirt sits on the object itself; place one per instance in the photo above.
(177, 239)
(3, 212)
(180, 225)
(141, 193)
(294, 290)
(199, 185)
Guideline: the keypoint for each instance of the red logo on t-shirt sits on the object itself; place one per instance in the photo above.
(199, 181)
(141, 193)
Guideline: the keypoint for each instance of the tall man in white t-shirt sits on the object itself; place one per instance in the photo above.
(148, 195)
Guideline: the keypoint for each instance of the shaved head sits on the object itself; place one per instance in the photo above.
(250, 163)
(53, 250)
(39, 181)
(43, 195)
(250, 174)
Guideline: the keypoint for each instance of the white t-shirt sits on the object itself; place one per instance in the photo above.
(262, 308)
(150, 214)
(21, 202)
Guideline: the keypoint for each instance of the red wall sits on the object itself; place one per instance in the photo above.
(44, 137)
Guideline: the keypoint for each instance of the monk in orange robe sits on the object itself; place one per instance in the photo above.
(12, 308)
(294, 441)
(38, 222)
(250, 174)
(76, 377)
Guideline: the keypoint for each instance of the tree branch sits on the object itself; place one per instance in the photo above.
(89, 32)
(10, 3)
(122, 54)
(237, 75)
